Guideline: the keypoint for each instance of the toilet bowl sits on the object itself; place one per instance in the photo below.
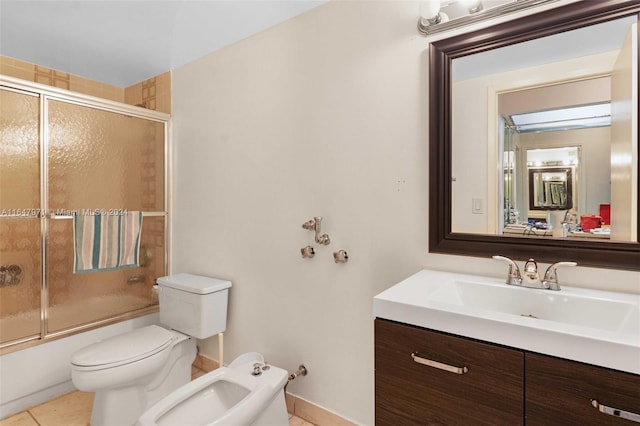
(132, 371)
(247, 392)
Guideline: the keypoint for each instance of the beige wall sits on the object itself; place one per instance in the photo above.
(560, 95)
(624, 140)
(154, 93)
(43, 75)
(315, 117)
(325, 114)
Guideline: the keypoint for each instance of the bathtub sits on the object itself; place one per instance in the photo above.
(34, 375)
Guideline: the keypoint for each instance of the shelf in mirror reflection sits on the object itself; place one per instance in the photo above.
(517, 230)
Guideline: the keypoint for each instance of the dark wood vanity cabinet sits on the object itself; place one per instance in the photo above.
(407, 392)
(560, 392)
(426, 377)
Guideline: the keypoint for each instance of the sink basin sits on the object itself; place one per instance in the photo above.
(593, 311)
(593, 326)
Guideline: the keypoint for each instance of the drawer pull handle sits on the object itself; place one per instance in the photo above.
(616, 412)
(438, 365)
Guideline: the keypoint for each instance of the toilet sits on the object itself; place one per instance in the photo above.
(247, 392)
(132, 371)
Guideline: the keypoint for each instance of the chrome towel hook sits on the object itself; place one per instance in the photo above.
(314, 225)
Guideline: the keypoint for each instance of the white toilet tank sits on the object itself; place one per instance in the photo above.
(193, 304)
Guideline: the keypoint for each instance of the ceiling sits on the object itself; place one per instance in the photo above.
(122, 42)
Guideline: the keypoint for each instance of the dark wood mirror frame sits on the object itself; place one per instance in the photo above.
(568, 184)
(618, 255)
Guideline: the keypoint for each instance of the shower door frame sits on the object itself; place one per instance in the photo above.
(46, 93)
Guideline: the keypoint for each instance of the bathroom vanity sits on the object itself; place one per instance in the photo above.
(458, 349)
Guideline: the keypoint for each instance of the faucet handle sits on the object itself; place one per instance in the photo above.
(513, 277)
(550, 280)
(531, 271)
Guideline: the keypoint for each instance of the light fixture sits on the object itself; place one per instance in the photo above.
(442, 15)
(473, 6)
(430, 14)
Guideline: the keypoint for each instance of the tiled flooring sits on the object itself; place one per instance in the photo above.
(70, 409)
(74, 409)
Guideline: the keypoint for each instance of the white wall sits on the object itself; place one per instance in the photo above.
(624, 140)
(325, 115)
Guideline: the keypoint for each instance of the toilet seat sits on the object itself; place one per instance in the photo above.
(123, 349)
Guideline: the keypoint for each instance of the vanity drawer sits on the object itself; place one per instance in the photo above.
(560, 392)
(469, 383)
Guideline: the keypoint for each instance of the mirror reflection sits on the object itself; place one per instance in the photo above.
(556, 120)
(550, 189)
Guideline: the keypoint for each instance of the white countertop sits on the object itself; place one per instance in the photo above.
(608, 337)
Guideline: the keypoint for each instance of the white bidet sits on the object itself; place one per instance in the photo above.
(248, 392)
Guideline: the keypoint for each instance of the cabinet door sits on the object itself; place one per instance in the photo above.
(407, 392)
(560, 392)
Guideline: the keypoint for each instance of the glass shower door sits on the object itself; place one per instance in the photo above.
(63, 154)
(111, 162)
(20, 232)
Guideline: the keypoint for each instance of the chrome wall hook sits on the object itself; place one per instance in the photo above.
(340, 256)
(307, 252)
(314, 225)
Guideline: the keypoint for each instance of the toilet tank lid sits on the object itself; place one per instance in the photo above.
(194, 283)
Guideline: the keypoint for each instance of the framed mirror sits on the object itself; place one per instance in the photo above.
(479, 176)
(550, 189)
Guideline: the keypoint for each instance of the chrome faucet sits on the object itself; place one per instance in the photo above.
(532, 276)
(550, 279)
(513, 277)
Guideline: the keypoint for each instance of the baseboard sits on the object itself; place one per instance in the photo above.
(312, 413)
(205, 363)
(297, 406)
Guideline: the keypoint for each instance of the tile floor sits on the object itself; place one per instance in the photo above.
(74, 409)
